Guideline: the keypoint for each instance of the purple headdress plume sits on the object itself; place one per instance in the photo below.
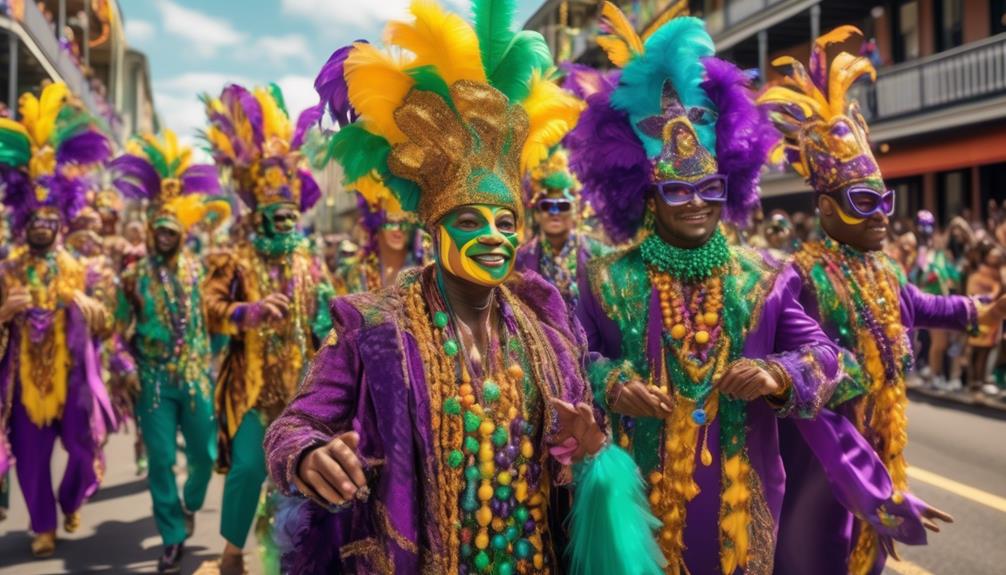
(744, 137)
(332, 89)
(44, 157)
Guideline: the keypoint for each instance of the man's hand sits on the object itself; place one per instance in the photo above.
(275, 306)
(333, 471)
(18, 301)
(579, 434)
(931, 514)
(91, 309)
(635, 399)
(748, 381)
(994, 313)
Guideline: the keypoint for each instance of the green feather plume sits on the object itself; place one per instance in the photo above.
(277, 94)
(509, 58)
(157, 159)
(15, 149)
(358, 151)
(70, 122)
(427, 79)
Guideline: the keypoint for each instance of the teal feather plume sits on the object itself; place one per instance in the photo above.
(673, 53)
(15, 149)
(494, 28)
(70, 122)
(611, 527)
(406, 191)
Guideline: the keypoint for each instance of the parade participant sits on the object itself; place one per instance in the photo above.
(428, 419)
(269, 294)
(50, 374)
(160, 314)
(559, 251)
(704, 346)
(861, 299)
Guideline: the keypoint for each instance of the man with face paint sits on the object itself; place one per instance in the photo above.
(559, 251)
(160, 315)
(862, 300)
(441, 411)
(50, 372)
(701, 347)
(269, 294)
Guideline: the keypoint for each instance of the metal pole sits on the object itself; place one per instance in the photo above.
(61, 19)
(87, 34)
(815, 22)
(763, 54)
(12, 74)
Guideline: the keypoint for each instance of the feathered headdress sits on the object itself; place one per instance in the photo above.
(676, 111)
(160, 171)
(42, 155)
(825, 137)
(551, 174)
(449, 114)
(251, 134)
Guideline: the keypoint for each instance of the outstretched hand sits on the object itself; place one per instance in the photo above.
(18, 301)
(931, 514)
(579, 434)
(636, 399)
(333, 471)
(748, 381)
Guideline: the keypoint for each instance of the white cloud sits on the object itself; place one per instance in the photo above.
(298, 91)
(140, 31)
(205, 34)
(342, 16)
(278, 50)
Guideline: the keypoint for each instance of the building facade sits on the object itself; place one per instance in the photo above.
(938, 108)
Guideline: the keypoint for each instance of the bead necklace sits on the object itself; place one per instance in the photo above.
(687, 265)
(491, 506)
(560, 269)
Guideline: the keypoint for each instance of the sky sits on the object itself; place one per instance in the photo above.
(195, 46)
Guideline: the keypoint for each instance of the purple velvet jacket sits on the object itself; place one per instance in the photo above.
(619, 318)
(815, 515)
(369, 377)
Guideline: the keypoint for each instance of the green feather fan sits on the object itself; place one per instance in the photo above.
(15, 149)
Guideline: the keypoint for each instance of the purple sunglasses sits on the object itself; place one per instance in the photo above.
(711, 189)
(866, 202)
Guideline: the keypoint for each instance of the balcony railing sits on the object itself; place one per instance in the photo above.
(968, 73)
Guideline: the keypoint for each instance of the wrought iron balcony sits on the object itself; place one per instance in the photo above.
(973, 75)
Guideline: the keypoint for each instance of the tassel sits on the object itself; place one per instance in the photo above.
(611, 524)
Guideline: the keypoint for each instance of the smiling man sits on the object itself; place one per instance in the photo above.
(442, 411)
(559, 251)
(862, 300)
(701, 347)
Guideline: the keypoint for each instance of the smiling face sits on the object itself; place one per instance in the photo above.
(478, 243)
(838, 221)
(688, 225)
(281, 219)
(395, 233)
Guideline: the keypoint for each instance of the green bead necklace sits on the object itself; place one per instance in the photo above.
(686, 265)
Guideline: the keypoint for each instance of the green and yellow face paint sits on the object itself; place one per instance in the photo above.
(478, 243)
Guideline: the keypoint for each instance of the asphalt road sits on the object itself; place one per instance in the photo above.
(958, 458)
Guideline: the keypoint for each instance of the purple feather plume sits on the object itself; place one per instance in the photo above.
(610, 162)
(584, 81)
(88, 147)
(307, 119)
(201, 179)
(371, 221)
(237, 97)
(134, 177)
(310, 193)
(331, 86)
(744, 137)
(18, 196)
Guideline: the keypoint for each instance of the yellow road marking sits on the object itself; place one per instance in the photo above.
(958, 488)
(906, 568)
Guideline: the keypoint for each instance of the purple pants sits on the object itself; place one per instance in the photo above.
(32, 447)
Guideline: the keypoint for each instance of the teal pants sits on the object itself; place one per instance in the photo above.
(244, 480)
(159, 421)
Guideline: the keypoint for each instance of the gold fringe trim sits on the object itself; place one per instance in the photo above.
(44, 387)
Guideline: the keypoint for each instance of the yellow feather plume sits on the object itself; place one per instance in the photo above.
(39, 114)
(275, 123)
(220, 142)
(377, 86)
(552, 113)
(377, 195)
(624, 43)
(786, 95)
(440, 39)
(194, 208)
(13, 126)
(845, 70)
(839, 34)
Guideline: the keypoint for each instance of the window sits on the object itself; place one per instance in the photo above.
(907, 196)
(906, 31)
(998, 21)
(949, 24)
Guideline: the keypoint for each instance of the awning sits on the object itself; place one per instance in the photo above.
(945, 153)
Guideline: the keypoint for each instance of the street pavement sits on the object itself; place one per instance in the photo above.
(958, 457)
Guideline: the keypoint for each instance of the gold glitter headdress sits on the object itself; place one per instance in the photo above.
(825, 137)
(449, 114)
